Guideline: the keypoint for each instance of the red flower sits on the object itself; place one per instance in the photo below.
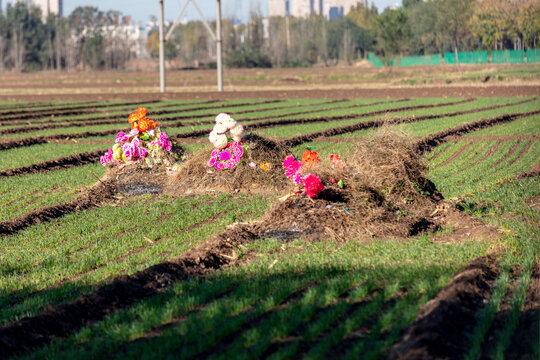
(313, 185)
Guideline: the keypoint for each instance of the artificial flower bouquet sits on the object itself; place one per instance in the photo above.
(228, 150)
(298, 172)
(145, 144)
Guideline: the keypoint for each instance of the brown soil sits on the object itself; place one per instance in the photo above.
(534, 202)
(56, 164)
(534, 172)
(75, 110)
(525, 339)
(323, 93)
(440, 327)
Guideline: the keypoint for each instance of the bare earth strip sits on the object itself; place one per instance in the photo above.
(439, 329)
(372, 92)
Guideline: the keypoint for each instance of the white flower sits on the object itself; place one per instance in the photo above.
(221, 142)
(220, 129)
(221, 117)
(238, 130)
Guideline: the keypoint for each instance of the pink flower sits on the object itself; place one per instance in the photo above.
(103, 160)
(212, 161)
(153, 143)
(136, 142)
(142, 153)
(162, 136)
(293, 169)
(219, 166)
(133, 132)
(128, 152)
(313, 185)
(238, 151)
(168, 146)
(121, 137)
(298, 178)
(288, 161)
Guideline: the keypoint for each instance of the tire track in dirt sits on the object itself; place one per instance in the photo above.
(56, 164)
(440, 327)
(27, 333)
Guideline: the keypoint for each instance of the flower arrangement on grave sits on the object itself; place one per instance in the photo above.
(309, 183)
(226, 136)
(145, 144)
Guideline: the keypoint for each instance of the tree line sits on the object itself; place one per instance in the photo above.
(78, 41)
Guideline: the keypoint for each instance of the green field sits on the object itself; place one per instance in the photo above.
(278, 299)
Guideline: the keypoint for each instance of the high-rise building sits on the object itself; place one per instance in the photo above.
(302, 8)
(278, 8)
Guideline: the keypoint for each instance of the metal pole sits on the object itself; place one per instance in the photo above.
(218, 48)
(161, 49)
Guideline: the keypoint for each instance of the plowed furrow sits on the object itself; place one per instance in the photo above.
(27, 333)
(439, 329)
(56, 164)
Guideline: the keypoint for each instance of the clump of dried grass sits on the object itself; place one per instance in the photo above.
(195, 176)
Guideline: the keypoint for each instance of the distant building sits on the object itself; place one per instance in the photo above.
(279, 8)
(47, 6)
(330, 9)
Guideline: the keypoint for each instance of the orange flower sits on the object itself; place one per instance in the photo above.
(153, 124)
(141, 112)
(138, 115)
(310, 158)
(144, 125)
(132, 118)
(133, 126)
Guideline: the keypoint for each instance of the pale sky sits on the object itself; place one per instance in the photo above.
(142, 9)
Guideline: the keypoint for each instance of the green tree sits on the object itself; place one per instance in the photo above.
(453, 17)
(393, 32)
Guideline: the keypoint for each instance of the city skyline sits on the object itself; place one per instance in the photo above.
(141, 11)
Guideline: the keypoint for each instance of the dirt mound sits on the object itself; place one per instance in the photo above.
(385, 195)
(195, 176)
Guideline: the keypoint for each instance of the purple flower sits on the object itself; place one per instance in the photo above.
(225, 155)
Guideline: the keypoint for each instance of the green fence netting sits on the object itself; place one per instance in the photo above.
(531, 56)
(508, 57)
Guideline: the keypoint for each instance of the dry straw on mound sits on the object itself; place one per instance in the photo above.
(195, 176)
(385, 194)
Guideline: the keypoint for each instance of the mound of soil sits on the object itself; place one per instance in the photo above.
(195, 176)
(385, 195)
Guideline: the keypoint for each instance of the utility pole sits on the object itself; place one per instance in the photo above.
(215, 36)
(161, 49)
(218, 48)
